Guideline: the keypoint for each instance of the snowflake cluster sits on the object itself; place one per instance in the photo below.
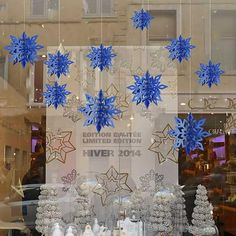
(189, 133)
(58, 64)
(209, 74)
(23, 49)
(180, 49)
(100, 111)
(101, 57)
(56, 95)
(147, 89)
(142, 19)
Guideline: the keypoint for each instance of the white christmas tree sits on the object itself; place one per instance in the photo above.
(83, 209)
(137, 207)
(179, 216)
(202, 217)
(48, 211)
(160, 219)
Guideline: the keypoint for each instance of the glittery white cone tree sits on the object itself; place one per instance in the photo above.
(160, 219)
(137, 207)
(179, 216)
(202, 217)
(48, 211)
(83, 209)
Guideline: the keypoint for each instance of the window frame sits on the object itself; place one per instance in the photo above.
(45, 15)
(208, 42)
(171, 7)
(98, 13)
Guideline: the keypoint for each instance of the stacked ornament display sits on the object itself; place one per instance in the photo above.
(48, 210)
(179, 216)
(160, 219)
(83, 208)
(202, 222)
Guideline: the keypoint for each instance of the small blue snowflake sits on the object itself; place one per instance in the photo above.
(100, 111)
(180, 49)
(209, 74)
(101, 57)
(189, 133)
(58, 64)
(147, 89)
(23, 49)
(56, 95)
(142, 19)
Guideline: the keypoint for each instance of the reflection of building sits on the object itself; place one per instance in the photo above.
(84, 23)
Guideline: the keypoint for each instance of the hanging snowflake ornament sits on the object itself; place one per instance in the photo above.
(209, 74)
(147, 89)
(58, 64)
(189, 133)
(101, 57)
(100, 111)
(56, 95)
(142, 19)
(23, 49)
(180, 49)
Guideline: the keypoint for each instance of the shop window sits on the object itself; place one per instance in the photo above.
(223, 40)
(43, 8)
(38, 8)
(36, 82)
(163, 27)
(8, 156)
(98, 8)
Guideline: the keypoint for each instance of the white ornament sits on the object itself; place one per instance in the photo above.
(88, 231)
(96, 227)
(57, 230)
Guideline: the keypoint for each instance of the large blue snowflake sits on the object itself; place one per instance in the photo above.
(147, 89)
(189, 133)
(209, 74)
(101, 57)
(180, 48)
(56, 95)
(23, 49)
(99, 111)
(58, 64)
(142, 19)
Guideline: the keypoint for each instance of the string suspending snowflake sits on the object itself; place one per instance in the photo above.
(147, 89)
(101, 57)
(23, 49)
(99, 111)
(58, 64)
(142, 19)
(180, 49)
(56, 95)
(209, 74)
(189, 133)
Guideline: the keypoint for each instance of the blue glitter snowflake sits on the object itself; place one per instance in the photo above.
(189, 133)
(99, 111)
(23, 49)
(147, 89)
(101, 57)
(209, 74)
(56, 94)
(58, 64)
(180, 49)
(142, 19)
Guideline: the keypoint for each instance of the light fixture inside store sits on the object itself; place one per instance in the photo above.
(44, 56)
(131, 118)
(182, 104)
